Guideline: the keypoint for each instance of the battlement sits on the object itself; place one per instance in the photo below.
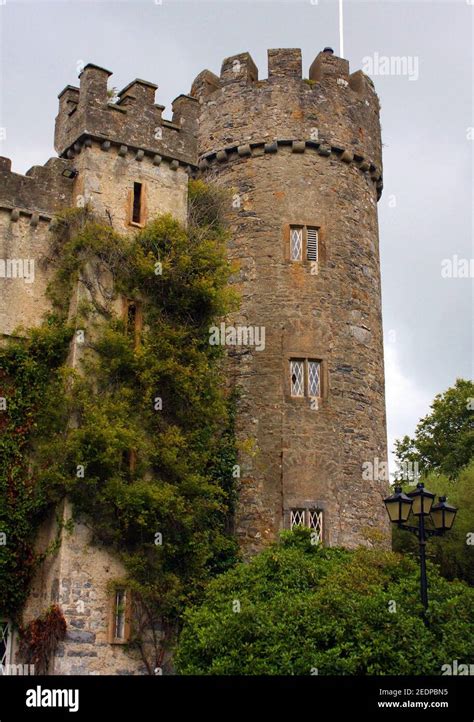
(334, 106)
(40, 193)
(134, 120)
(283, 64)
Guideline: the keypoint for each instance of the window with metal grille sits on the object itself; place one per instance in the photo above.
(310, 518)
(314, 378)
(297, 517)
(311, 243)
(5, 644)
(119, 619)
(304, 243)
(296, 244)
(297, 377)
(315, 522)
(305, 378)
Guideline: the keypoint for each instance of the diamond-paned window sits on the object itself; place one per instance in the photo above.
(297, 377)
(310, 518)
(315, 522)
(297, 517)
(306, 378)
(314, 378)
(296, 244)
(304, 243)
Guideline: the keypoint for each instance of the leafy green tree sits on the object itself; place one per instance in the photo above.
(303, 609)
(444, 439)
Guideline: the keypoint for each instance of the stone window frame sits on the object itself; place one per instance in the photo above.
(137, 331)
(143, 206)
(316, 223)
(129, 461)
(113, 615)
(323, 380)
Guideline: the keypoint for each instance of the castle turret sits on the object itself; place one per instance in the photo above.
(125, 153)
(302, 162)
(132, 119)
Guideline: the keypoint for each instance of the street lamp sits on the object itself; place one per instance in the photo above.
(398, 506)
(420, 504)
(442, 515)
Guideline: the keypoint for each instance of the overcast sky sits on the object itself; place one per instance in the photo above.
(426, 211)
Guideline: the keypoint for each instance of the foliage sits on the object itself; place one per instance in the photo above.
(40, 638)
(31, 383)
(453, 552)
(308, 610)
(444, 439)
(149, 448)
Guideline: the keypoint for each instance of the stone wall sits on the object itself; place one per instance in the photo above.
(77, 578)
(22, 295)
(105, 180)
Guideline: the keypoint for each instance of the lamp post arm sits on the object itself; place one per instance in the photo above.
(416, 530)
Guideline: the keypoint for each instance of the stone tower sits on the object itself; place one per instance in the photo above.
(302, 162)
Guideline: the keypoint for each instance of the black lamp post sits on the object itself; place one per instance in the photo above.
(420, 504)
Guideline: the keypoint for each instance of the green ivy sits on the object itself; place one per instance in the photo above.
(168, 517)
(31, 383)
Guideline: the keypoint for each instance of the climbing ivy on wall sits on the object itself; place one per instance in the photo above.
(31, 390)
(141, 437)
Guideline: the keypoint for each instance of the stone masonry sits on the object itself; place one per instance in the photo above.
(292, 153)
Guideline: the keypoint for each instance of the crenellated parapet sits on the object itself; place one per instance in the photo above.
(332, 112)
(40, 193)
(134, 121)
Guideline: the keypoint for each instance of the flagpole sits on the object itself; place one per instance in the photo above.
(341, 31)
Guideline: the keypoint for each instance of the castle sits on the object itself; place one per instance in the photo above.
(302, 161)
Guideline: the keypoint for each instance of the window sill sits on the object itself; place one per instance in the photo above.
(319, 399)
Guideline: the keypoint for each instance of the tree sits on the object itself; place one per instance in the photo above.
(444, 439)
(303, 609)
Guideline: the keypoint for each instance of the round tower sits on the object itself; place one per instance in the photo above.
(302, 161)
